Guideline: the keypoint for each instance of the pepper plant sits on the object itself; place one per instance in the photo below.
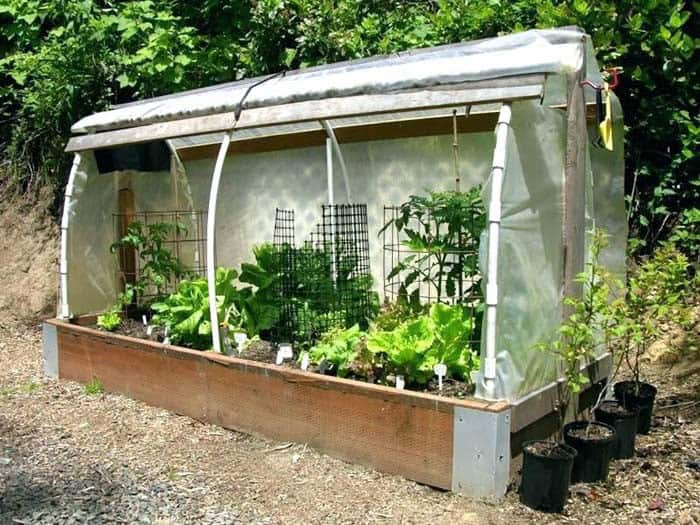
(442, 233)
(158, 264)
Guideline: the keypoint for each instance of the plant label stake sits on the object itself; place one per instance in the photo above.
(286, 350)
(166, 341)
(240, 338)
(226, 340)
(145, 321)
(305, 361)
(166, 331)
(440, 371)
(149, 330)
(400, 383)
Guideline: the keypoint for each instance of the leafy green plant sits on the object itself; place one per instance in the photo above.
(317, 291)
(93, 387)
(338, 347)
(110, 320)
(589, 319)
(258, 306)
(686, 234)
(412, 349)
(185, 313)
(252, 309)
(391, 315)
(158, 264)
(656, 293)
(442, 233)
(406, 350)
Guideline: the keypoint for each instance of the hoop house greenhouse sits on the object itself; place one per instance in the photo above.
(346, 215)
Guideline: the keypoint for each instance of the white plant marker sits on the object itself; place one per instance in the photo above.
(286, 349)
(400, 383)
(240, 338)
(145, 321)
(226, 340)
(305, 361)
(166, 331)
(166, 341)
(149, 330)
(279, 359)
(440, 371)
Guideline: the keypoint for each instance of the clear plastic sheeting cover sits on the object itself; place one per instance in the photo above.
(93, 282)
(530, 266)
(550, 51)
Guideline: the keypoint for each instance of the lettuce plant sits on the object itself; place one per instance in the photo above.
(338, 347)
(110, 320)
(416, 346)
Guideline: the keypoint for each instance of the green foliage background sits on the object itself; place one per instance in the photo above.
(62, 59)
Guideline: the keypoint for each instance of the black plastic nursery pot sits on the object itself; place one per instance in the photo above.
(624, 421)
(594, 450)
(546, 475)
(640, 397)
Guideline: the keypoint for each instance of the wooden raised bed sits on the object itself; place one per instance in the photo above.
(395, 431)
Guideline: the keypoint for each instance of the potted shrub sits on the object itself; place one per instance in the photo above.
(624, 420)
(654, 297)
(588, 447)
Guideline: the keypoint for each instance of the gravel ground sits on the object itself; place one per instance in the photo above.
(70, 457)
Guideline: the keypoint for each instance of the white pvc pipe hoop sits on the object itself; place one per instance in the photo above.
(341, 160)
(211, 245)
(65, 222)
(494, 227)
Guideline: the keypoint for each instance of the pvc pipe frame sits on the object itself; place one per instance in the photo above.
(329, 157)
(494, 227)
(211, 245)
(64, 312)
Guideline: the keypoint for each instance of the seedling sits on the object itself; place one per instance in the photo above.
(110, 320)
(93, 387)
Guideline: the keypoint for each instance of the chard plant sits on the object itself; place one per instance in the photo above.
(186, 311)
(252, 309)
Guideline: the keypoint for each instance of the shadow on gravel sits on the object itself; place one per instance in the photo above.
(52, 481)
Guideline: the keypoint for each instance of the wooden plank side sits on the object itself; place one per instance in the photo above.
(304, 112)
(389, 433)
(287, 374)
(174, 384)
(397, 438)
(422, 127)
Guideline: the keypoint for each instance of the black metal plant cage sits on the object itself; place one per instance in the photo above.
(186, 242)
(325, 282)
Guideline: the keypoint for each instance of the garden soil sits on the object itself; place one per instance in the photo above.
(70, 457)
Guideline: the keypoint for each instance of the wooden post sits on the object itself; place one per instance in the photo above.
(574, 231)
(127, 254)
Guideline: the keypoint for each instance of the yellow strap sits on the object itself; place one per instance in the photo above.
(605, 127)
